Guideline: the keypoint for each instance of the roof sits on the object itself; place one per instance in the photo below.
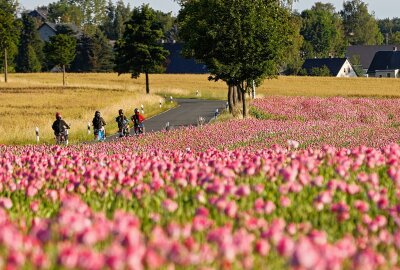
(177, 64)
(385, 60)
(367, 52)
(333, 64)
(49, 24)
(38, 13)
(53, 26)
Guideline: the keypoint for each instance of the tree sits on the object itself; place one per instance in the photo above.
(108, 25)
(93, 54)
(239, 41)
(320, 72)
(9, 28)
(60, 50)
(140, 49)
(64, 11)
(360, 26)
(395, 38)
(322, 31)
(294, 57)
(390, 29)
(30, 49)
(122, 15)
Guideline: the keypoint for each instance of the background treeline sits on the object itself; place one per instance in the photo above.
(96, 25)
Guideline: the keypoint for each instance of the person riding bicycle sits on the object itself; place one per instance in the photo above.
(59, 126)
(98, 124)
(137, 120)
(122, 123)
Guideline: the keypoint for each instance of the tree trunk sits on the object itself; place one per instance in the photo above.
(230, 98)
(239, 93)
(244, 104)
(5, 66)
(253, 91)
(63, 68)
(147, 83)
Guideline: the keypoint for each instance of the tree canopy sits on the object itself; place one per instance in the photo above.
(61, 51)
(239, 41)
(9, 30)
(30, 49)
(360, 26)
(322, 31)
(140, 50)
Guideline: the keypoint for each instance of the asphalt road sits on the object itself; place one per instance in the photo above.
(187, 113)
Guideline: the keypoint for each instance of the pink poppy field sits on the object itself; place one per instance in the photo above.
(309, 183)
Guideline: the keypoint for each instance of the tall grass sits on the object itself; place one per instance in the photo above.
(30, 100)
(23, 109)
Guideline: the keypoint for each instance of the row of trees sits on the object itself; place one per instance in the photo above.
(99, 24)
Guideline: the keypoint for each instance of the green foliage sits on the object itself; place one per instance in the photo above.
(239, 41)
(93, 54)
(294, 57)
(322, 31)
(395, 38)
(66, 12)
(30, 50)
(60, 50)
(320, 72)
(356, 63)
(390, 28)
(360, 26)
(9, 27)
(78, 12)
(140, 50)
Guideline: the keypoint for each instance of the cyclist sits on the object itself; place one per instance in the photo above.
(98, 126)
(59, 127)
(137, 120)
(122, 121)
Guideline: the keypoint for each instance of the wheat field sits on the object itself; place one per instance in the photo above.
(30, 100)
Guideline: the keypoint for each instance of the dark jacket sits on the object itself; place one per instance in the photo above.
(120, 120)
(59, 126)
(98, 122)
(137, 119)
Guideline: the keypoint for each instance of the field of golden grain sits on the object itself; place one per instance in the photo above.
(30, 100)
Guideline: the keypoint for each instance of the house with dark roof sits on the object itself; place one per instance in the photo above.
(364, 54)
(48, 29)
(177, 64)
(39, 14)
(338, 67)
(386, 64)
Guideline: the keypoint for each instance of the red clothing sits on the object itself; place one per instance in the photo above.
(137, 119)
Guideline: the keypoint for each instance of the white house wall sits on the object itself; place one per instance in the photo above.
(387, 73)
(347, 71)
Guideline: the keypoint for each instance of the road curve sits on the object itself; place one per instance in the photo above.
(187, 113)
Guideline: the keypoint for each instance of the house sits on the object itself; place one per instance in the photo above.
(338, 67)
(364, 54)
(48, 29)
(385, 64)
(177, 64)
(39, 15)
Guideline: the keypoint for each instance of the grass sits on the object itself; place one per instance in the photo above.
(30, 100)
(23, 109)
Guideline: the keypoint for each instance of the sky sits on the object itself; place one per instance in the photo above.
(382, 8)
